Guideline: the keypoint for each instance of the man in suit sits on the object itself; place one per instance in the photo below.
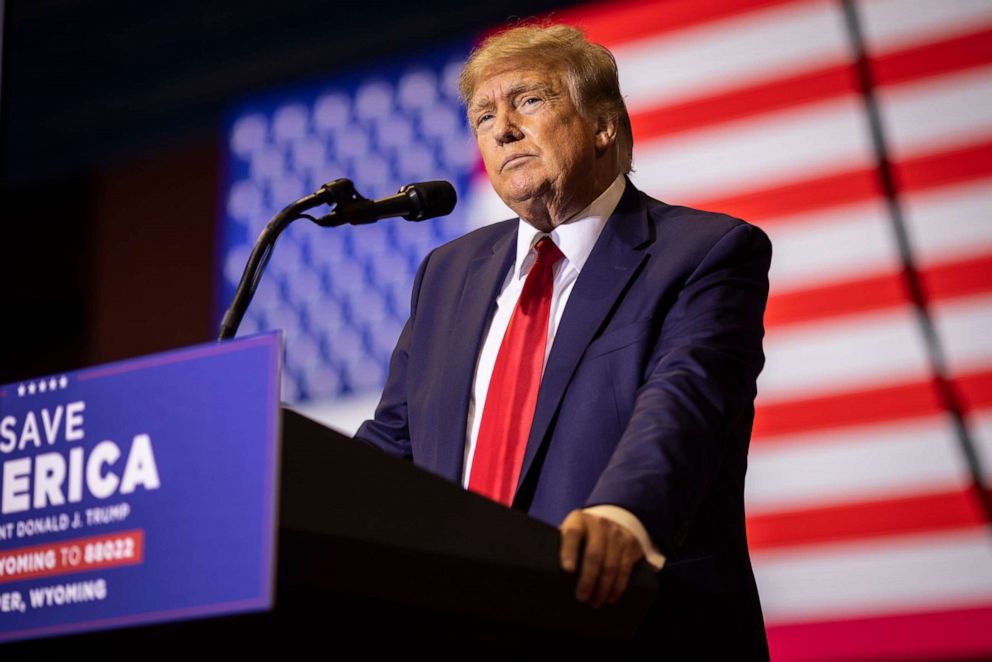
(592, 363)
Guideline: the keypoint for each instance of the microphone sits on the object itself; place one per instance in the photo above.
(413, 202)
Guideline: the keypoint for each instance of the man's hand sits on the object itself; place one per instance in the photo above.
(608, 551)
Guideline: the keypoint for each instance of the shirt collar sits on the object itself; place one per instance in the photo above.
(576, 236)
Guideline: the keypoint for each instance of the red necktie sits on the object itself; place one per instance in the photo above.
(516, 379)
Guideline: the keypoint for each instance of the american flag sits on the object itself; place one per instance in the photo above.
(866, 531)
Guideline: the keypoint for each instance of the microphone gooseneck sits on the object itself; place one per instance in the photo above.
(414, 202)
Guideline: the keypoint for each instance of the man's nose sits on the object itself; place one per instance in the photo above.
(507, 130)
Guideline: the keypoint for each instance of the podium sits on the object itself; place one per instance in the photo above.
(376, 554)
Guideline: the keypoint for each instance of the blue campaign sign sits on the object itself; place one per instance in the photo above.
(140, 491)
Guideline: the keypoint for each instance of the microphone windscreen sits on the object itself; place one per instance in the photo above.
(431, 199)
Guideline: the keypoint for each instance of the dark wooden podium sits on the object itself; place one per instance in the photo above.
(378, 556)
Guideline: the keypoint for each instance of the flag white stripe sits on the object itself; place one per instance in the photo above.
(821, 247)
(763, 45)
(945, 224)
(851, 351)
(871, 349)
(814, 139)
(964, 327)
(953, 222)
(880, 461)
(907, 573)
(743, 49)
(757, 152)
(961, 101)
(893, 24)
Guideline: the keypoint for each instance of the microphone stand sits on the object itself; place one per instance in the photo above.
(339, 192)
(414, 202)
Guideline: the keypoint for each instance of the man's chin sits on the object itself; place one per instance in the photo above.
(523, 206)
(522, 194)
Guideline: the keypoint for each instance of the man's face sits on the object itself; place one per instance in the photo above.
(538, 150)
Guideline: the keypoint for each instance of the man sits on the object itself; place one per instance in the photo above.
(592, 363)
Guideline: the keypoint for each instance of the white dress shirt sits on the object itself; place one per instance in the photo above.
(575, 238)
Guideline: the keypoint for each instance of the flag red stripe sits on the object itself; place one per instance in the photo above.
(959, 278)
(853, 407)
(843, 298)
(953, 633)
(867, 406)
(942, 281)
(865, 519)
(974, 390)
(616, 23)
(767, 204)
(910, 64)
(660, 122)
(950, 167)
(917, 173)
(941, 57)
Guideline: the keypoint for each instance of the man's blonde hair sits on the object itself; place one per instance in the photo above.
(590, 71)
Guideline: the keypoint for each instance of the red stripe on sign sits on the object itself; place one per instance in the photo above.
(857, 185)
(866, 406)
(947, 280)
(957, 54)
(68, 556)
(615, 23)
(867, 519)
(936, 635)
(822, 84)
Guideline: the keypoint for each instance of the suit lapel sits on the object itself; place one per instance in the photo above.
(618, 252)
(481, 286)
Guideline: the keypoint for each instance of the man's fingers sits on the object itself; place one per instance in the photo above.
(608, 552)
(629, 557)
(573, 530)
(612, 552)
(593, 557)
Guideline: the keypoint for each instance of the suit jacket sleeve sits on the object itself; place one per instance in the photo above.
(389, 429)
(699, 389)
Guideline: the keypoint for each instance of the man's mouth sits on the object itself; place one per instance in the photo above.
(510, 160)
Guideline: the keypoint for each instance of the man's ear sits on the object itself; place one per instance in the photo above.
(606, 132)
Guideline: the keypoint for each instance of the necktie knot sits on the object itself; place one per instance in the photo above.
(548, 252)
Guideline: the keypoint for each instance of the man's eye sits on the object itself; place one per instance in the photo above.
(532, 100)
(484, 118)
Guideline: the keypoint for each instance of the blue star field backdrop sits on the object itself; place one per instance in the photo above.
(342, 295)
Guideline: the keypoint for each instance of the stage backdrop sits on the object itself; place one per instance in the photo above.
(858, 135)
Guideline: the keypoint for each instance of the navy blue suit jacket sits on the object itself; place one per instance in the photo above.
(646, 400)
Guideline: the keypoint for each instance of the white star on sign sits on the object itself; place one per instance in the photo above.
(52, 384)
(63, 381)
(20, 390)
(31, 388)
(42, 386)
